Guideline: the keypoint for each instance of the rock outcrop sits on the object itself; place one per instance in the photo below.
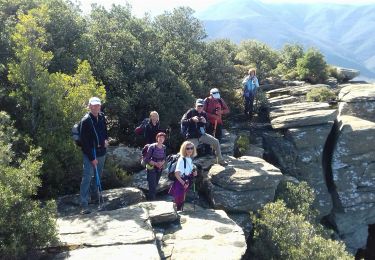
(247, 183)
(126, 157)
(347, 74)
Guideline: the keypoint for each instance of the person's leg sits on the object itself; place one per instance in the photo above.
(251, 105)
(195, 141)
(87, 176)
(151, 179)
(209, 139)
(158, 175)
(246, 102)
(219, 132)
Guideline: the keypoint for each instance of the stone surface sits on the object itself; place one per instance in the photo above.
(141, 251)
(160, 211)
(128, 158)
(346, 73)
(353, 170)
(204, 234)
(299, 153)
(282, 100)
(254, 151)
(291, 109)
(358, 100)
(294, 90)
(113, 199)
(305, 119)
(245, 184)
(122, 226)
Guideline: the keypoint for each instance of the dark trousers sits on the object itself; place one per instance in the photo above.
(218, 133)
(249, 104)
(153, 177)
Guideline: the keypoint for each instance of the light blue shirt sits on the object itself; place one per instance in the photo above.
(250, 84)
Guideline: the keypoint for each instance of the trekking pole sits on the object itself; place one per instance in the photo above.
(98, 185)
(215, 126)
(194, 194)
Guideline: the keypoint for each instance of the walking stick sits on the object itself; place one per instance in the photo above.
(215, 126)
(98, 185)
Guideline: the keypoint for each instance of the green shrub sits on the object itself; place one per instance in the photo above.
(279, 233)
(25, 224)
(261, 101)
(114, 176)
(312, 67)
(320, 94)
(242, 144)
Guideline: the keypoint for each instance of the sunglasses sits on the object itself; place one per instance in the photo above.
(190, 148)
(215, 93)
(200, 106)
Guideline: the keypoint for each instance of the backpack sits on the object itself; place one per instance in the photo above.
(171, 165)
(144, 153)
(76, 131)
(140, 130)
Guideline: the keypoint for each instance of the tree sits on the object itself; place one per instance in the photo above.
(289, 55)
(24, 223)
(252, 53)
(312, 67)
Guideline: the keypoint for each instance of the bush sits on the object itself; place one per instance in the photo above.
(279, 233)
(320, 94)
(242, 144)
(24, 223)
(312, 67)
(114, 176)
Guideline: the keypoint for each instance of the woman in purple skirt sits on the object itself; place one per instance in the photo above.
(185, 172)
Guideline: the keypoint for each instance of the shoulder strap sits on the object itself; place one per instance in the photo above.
(93, 127)
(184, 162)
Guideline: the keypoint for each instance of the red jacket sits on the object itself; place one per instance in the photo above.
(215, 108)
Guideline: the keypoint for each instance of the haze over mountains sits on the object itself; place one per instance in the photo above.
(345, 34)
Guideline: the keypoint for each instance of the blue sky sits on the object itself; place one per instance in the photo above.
(155, 7)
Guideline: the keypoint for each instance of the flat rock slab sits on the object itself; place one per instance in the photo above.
(305, 119)
(118, 227)
(113, 199)
(247, 183)
(281, 100)
(291, 109)
(160, 211)
(357, 93)
(141, 251)
(204, 234)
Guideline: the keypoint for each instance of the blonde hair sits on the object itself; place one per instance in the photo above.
(154, 113)
(252, 70)
(183, 149)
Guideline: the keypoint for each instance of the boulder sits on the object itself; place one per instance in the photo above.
(247, 183)
(293, 90)
(113, 199)
(203, 234)
(358, 100)
(353, 171)
(254, 151)
(160, 211)
(309, 118)
(126, 157)
(299, 152)
(347, 74)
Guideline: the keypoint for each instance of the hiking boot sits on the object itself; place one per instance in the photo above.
(223, 163)
(85, 211)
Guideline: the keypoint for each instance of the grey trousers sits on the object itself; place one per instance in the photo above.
(209, 139)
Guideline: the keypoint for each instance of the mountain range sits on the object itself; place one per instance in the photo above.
(345, 34)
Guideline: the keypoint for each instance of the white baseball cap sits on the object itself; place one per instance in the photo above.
(214, 90)
(94, 101)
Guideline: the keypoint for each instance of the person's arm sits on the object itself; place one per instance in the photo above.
(186, 118)
(224, 108)
(86, 138)
(148, 159)
(180, 168)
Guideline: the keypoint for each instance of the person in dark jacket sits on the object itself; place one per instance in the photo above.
(195, 120)
(94, 138)
(152, 128)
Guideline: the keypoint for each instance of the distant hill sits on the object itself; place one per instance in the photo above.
(344, 33)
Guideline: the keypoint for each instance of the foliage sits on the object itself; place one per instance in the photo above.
(332, 72)
(320, 94)
(114, 176)
(289, 55)
(312, 66)
(243, 144)
(256, 54)
(24, 223)
(279, 233)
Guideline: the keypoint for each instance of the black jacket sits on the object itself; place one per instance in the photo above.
(90, 139)
(151, 131)
(192, 127)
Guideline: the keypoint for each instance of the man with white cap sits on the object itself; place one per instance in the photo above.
(94, 139)
(195, 120)
(215, 107)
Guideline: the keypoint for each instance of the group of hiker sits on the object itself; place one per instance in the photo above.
(201, 124)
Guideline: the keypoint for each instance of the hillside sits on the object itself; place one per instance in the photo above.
(342, 32)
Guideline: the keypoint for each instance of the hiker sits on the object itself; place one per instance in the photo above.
(94, 138)
(185, 172)
(195, 120)
(152, 128)
(155, 159)
(250, 84)
(215, 107)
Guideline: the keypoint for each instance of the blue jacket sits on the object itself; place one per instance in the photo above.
(94, 139)
(250, 85)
